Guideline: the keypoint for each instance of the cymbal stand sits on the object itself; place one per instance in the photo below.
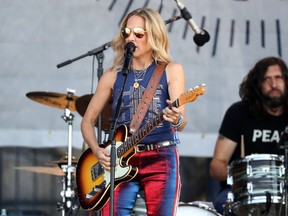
(67, 193)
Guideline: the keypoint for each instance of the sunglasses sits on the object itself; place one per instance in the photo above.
(138, 32)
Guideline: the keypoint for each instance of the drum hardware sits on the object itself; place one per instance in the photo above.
(268, 204)
(67, 167)
(67, 193)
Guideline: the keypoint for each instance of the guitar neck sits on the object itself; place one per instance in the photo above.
(146, 129)
(135, 138)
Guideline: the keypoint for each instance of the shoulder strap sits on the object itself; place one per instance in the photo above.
(146, 98)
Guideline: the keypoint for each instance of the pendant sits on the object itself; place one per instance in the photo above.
(136, 85)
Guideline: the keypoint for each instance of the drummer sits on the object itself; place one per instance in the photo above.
(254, 124)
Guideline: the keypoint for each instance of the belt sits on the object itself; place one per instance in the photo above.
(153, 146)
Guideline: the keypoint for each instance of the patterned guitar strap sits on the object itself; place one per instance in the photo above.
(146, 98)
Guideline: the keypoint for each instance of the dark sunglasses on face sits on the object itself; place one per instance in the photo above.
(138, 32)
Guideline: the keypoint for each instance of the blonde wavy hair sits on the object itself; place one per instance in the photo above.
(156, 34)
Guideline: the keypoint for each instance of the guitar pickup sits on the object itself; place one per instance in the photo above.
(95, 190)
(96, 171)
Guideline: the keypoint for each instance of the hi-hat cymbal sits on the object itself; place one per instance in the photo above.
(46, 170)
(53, 99)
(81, 107)
(63, 160)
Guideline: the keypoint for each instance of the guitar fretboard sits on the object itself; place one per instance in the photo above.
(142, 132)
(135, 138)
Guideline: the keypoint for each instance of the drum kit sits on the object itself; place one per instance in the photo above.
(257, 186)
(257, 181)
(66, 166)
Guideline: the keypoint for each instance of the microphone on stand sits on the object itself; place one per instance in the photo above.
(201, 36)
(129, 50)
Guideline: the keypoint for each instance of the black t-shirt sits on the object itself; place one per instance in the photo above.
(260, 136)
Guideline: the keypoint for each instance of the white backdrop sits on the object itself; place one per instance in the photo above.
(35, 36)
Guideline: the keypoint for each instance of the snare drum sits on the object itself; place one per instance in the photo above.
(196, 208)
(257, 185)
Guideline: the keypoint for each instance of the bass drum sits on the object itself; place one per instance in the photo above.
(196, 208)
(140, 207)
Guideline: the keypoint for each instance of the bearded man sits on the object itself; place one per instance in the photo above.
(251, 126)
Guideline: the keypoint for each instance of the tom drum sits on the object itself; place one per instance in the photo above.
(257, 183)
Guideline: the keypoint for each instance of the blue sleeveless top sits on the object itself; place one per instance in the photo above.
(132, 97)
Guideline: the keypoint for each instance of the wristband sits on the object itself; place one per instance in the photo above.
(180, 122)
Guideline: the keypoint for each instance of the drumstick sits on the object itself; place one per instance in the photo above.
(242, 147)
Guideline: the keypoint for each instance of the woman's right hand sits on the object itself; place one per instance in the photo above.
(103, 156)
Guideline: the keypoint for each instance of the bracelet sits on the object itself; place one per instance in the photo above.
(180, 122)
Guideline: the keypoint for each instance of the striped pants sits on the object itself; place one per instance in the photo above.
(158, 176)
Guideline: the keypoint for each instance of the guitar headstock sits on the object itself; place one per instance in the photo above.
(191, 94)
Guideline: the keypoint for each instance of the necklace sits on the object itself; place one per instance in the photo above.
(139, 76)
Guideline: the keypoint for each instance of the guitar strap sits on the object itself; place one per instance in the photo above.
(146, 98)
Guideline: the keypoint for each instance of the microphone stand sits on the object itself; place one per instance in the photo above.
(129, 49)
(89, 53)
(113, 155)
(98, 52)
(112, 141)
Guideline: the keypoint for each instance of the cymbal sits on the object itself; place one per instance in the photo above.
(81, 107)
(46, 170)
(63, 160)
(53, 99)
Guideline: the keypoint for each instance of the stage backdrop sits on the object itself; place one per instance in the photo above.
(36, 36)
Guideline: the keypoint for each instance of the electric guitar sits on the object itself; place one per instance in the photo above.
(93, 182)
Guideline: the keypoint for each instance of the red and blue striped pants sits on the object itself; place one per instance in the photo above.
(158, 176)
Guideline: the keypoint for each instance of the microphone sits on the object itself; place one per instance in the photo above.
(201, 36)
(129, 50)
